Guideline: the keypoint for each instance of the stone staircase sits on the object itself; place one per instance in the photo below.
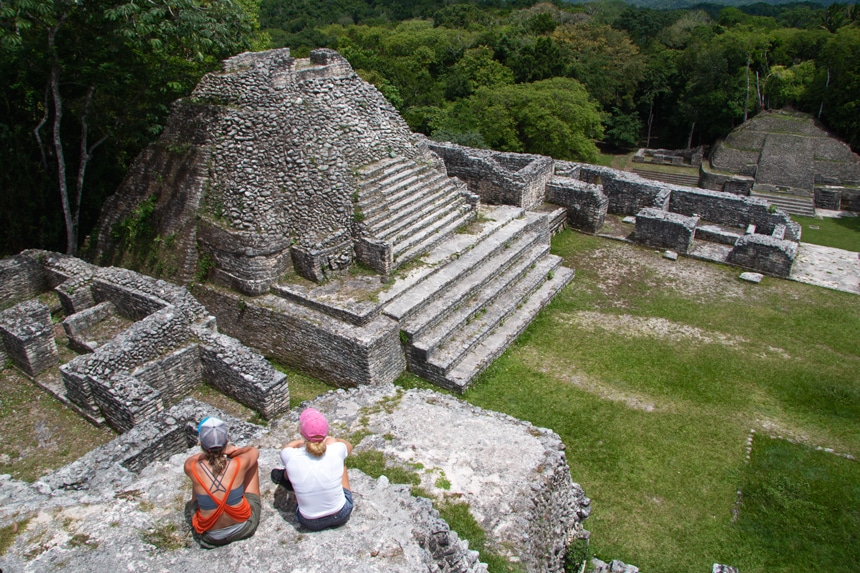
(791, 204)
(457, 319)
(410, 206)
(674, 178)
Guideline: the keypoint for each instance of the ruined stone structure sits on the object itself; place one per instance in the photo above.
(283, 171)
(717, 226)
(114, 506)
(278, 164)
(692, 157)
(164, 343)
(788, 159)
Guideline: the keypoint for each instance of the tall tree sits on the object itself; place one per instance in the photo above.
(102, 65)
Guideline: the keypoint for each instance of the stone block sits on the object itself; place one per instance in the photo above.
(661, 229)
(586, 204)
(21, 278)
(764, 254)
(28, 337)
(828, 198)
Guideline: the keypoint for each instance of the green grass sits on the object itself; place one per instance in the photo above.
(656, 427)
(460, 519)
(800, 509)
(302, 386)
(8, 534)
(841, 233)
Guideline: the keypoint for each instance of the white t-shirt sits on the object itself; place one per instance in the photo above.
(316, 481)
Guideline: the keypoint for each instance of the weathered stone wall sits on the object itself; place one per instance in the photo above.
(721, 208)
(28, 336)
(173, 375)
(730, 183)
(692, 157)
(764, 254)
(340, 353)
(236, 371)
(21, 278)
(498, 178)
(664, 230)
(828, 198)
(260, 158)
(586, 204)
(628, 193)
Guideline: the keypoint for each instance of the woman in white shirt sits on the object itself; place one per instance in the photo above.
(314, 469)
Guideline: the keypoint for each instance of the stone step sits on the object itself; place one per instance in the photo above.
(485, 346)
(419, 195)
(389, 177)
(674, 178)
(460, 377)
(425, 238)
(460, 294)
(439, 320)
(791, 204)
(408, 300)
(413, 218)
(492, 218)
(378, 169)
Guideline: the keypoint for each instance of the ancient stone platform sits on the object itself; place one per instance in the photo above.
(99, 515)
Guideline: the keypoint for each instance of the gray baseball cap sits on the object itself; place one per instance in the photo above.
(212, 433)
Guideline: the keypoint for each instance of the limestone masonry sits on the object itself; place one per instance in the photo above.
(293, 215)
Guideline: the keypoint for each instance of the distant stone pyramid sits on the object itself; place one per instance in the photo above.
(788, 158)
(258, 173)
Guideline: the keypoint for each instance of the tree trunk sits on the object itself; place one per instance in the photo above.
(690, 139)
(747, 99)
(650, 122)
(84, 158)
(71, 234)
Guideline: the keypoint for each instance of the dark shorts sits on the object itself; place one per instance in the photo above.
(333, 520)
(247, 530)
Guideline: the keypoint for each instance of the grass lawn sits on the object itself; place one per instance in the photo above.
(654, 374)
(841, 233)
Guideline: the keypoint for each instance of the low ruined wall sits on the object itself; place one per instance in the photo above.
(498, 178)
(586, 204)
(764, 254)
(173, 375)
(729, 183)
(721, 208)
(628, 193)
(245, 376)
(664, 230)
(21, 278)
(828, 198)
(171, 432)
(28, 337)
(324, 347)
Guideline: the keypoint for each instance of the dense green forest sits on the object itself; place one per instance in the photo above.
(88, 85)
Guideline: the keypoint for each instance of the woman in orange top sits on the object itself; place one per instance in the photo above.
(225, 496)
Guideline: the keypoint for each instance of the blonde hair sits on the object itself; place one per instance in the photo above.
(315, 448)
(216, 459)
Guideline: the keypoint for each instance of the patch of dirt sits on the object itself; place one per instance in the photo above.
(650, 327)
(567, 373)
(621, 266)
